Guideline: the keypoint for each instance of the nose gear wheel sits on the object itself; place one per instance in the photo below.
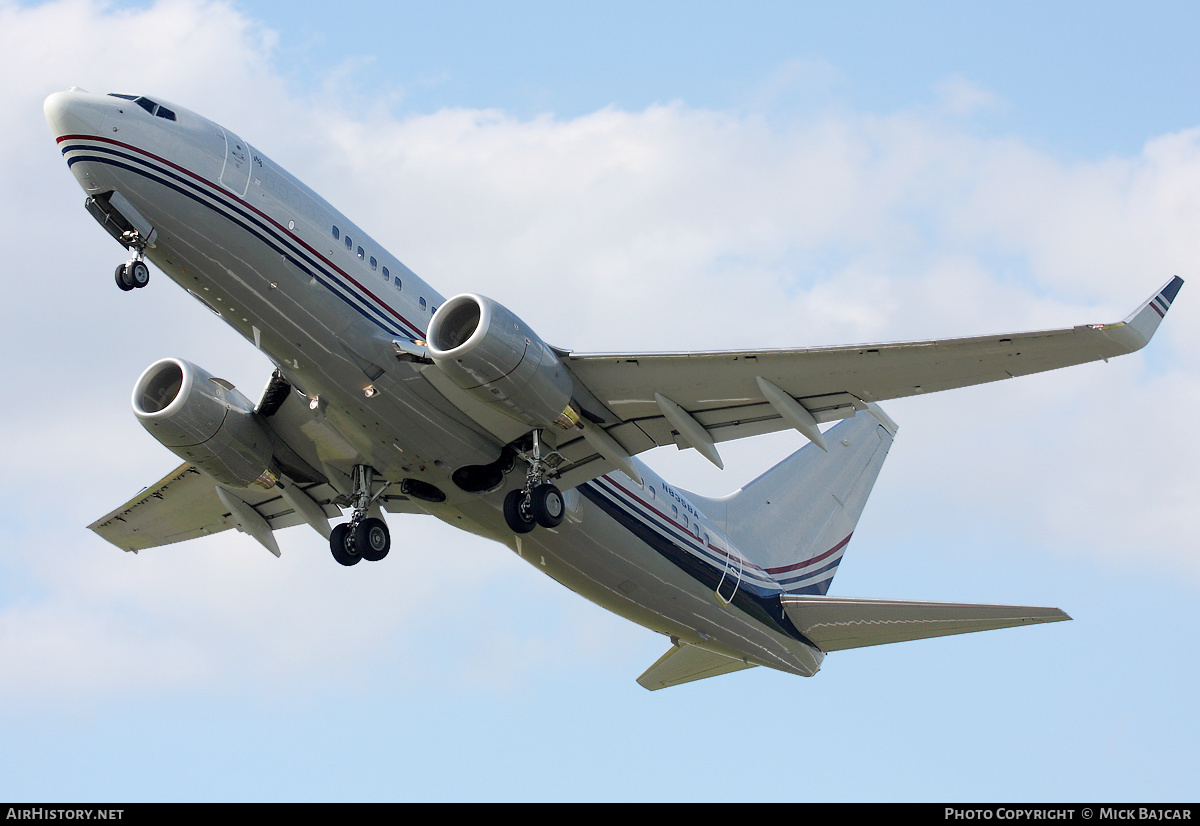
(134, 273)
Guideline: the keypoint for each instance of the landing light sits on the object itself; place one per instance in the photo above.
(369, 391)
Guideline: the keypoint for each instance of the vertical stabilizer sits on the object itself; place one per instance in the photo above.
(797, 518)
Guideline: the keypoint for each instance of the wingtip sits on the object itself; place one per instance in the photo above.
(1161, 301)
(1171, 290)
(1137, 330)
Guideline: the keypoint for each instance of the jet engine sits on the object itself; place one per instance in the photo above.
(492, 354)
(204, 421)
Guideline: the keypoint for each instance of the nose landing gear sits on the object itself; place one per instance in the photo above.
(134, 273)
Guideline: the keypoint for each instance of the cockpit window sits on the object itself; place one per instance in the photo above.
(147, 104)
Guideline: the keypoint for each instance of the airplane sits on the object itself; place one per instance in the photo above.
(389, 399)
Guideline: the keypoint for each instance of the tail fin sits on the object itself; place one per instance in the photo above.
(796, 519)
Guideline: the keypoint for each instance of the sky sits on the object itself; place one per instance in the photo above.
(632, 177)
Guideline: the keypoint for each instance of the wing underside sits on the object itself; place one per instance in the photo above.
(188, 503)
(184, 504)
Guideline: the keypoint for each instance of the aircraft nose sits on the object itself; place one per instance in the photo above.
(73, 112)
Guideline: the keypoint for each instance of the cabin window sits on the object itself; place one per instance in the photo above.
(675, 512)
(423, 305)
(361, 254)
(652, 494)
(337, 233)
(433, 310)
(398, 285)
(387, 275)
(349, 243)
(374, 263)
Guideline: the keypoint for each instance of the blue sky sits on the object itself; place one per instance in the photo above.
(1086, 78)
(628, 178)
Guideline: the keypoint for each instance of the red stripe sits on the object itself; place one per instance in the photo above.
(382, 305)
(745, 563)
(811, 560)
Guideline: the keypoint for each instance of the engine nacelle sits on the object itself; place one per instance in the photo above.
(204, 421)
(492, 354)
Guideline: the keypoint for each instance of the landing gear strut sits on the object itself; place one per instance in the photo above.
(133, 273)
(363, 537)
(539, 502)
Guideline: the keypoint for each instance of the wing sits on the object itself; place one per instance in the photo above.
(185, 504)
(701, 399)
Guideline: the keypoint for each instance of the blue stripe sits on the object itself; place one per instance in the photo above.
(766, 583)
(829, 569)
(282, 245)
(1171, 290)
(755, 602)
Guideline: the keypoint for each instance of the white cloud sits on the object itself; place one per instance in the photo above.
(959, 96)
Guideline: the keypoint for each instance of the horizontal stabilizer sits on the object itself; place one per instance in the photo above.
(685, 663)
(834, 624)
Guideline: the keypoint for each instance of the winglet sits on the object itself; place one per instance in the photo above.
(1136, 331)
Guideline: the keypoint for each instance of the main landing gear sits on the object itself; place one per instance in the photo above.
(134, 273)
(539, 502)
(363, 537)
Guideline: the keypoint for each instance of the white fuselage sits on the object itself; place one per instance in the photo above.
(324, 301)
